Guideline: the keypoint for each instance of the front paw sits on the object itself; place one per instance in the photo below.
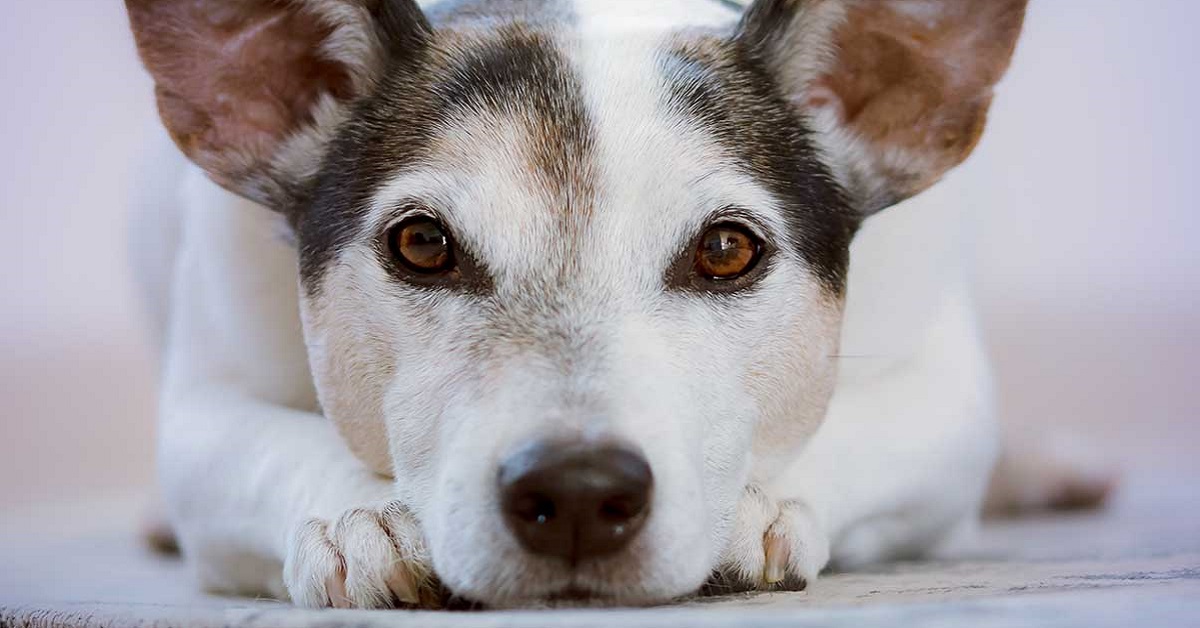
(366, 558)
(776, 546)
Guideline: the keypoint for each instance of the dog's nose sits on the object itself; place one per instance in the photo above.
(575, 501)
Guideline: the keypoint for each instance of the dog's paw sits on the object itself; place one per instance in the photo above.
(776, 546)
(366, 558)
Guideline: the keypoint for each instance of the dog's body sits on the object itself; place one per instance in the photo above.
(748, 480)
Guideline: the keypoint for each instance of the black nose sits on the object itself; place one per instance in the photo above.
(575, 501)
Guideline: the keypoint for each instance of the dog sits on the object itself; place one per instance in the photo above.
(529, 302)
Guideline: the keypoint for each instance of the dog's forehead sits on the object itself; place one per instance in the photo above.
(592, 15)
(600, 166)
(597, 132)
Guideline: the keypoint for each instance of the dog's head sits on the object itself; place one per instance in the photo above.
(575, 280)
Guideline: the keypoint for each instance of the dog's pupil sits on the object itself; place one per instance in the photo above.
(726, 252)
(423, 245)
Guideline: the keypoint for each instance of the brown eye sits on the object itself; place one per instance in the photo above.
(727, 251)
(422, 246)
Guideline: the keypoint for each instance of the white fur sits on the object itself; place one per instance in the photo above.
(255, 475)
(244, 457)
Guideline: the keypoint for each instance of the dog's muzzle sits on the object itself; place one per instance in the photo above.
(575, 501)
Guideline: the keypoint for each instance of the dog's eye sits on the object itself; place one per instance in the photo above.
(422, 246)
(727, 251)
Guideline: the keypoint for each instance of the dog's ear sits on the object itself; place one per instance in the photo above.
(251, 90)
(897, 90)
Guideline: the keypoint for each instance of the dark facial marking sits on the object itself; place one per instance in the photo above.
(725, 89)
(523, 75)
(430, 85)
(762, 23)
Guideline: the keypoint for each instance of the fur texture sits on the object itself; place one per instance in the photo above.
(332, 427)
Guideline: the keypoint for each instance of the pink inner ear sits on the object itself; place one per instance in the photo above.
(235, 77)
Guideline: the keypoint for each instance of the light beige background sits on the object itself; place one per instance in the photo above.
(1085, 194)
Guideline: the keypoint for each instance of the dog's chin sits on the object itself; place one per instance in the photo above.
(617, 585)
(622, 584)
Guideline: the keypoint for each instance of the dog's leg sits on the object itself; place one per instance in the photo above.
(253, 476)
(1043, 470)
(251, 485)
(904, 457)
(901, 462)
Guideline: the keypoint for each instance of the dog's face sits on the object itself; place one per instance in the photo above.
(573, 285)
(575, 252)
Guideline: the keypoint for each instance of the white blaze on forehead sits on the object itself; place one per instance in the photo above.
(658, 174)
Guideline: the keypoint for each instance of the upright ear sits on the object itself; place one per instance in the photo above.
(251, 90)
(897, 90)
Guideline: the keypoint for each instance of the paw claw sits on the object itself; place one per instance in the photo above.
(335, 590)
(777, 556)
(777, 546)
(402, 586)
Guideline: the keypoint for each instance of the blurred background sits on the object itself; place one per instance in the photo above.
(1085, 195)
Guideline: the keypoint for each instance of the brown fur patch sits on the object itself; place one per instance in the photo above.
(521, 72)
(235, 78)
(908, 82)
(1041, 471)
(250, 89)
(921, 81)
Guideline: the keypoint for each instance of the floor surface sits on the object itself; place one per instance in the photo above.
(1135, 563)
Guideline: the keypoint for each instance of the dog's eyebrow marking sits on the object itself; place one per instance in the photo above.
(725, 91)
(512, 68)
(524, 75)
